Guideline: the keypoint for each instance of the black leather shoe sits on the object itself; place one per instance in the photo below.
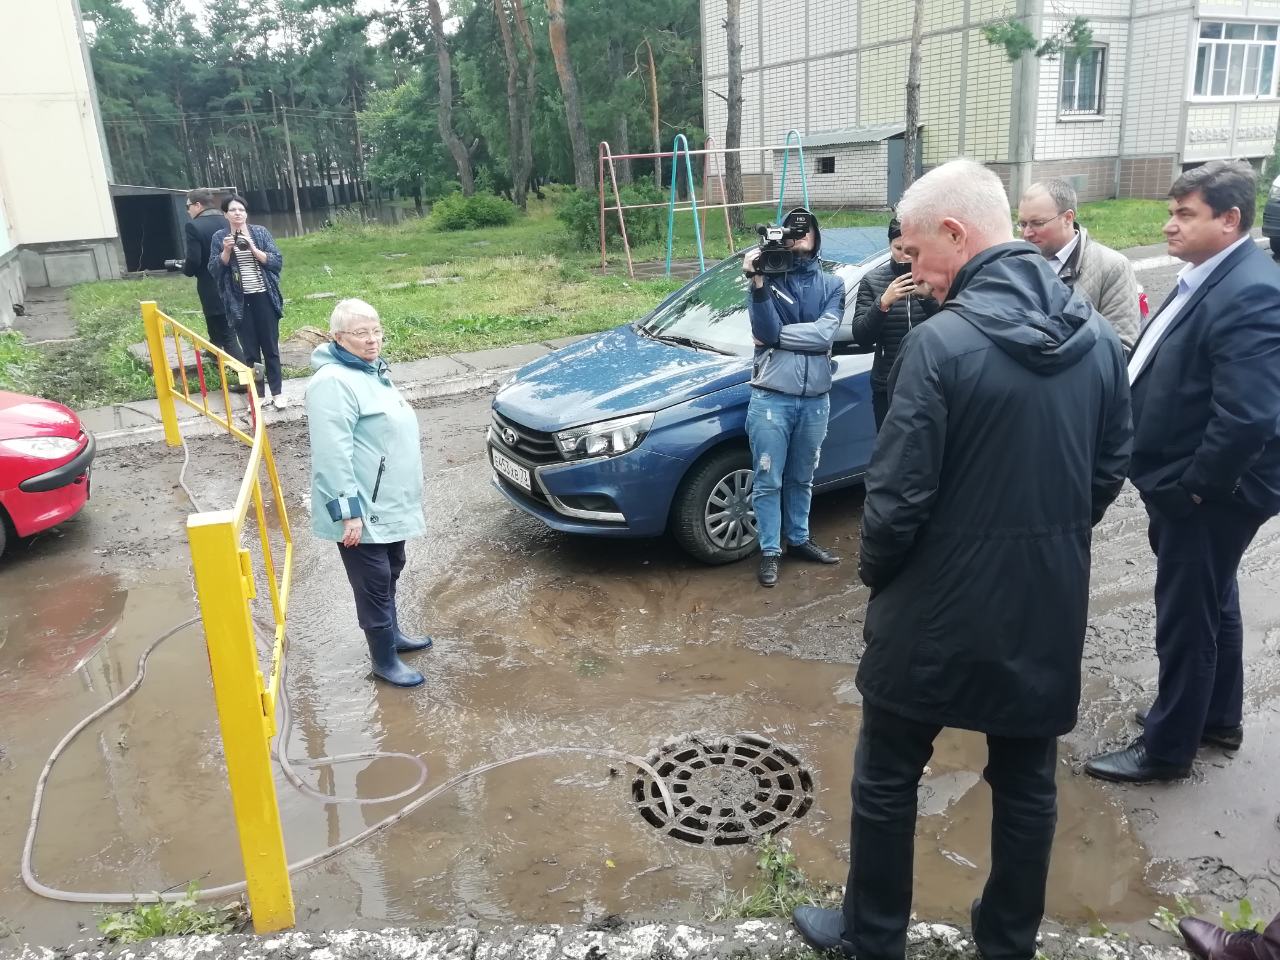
(822, 929)
(1132, 765)
(768, 575)
(1208, 941)
(1228, 738)
(811, 551)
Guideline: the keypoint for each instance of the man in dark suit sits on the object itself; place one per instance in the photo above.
(206, 220)
(1206, 459)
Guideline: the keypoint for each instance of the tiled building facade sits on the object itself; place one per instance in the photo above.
(1167, 83)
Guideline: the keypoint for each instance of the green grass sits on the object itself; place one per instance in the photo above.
(174, 918)
(517, 283)
(1121, 224)
(781, 888)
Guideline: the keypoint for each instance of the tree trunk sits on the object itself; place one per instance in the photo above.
(530, 91)
(515, 130)
(458, 149)
(622, 139)
(583, 168)
(911, 139)
(733, 122)
(657, 134)
(358, 173)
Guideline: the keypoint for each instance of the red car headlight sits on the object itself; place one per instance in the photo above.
(43, 448)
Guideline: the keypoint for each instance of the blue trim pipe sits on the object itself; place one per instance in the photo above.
(693, 198)
(804, 180)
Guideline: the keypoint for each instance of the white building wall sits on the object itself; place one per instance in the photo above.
(55, 178)
(860, 177)
(1073, 137)
(1157, 81)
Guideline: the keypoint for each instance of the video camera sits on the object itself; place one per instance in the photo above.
(173, 265)
(775, 257)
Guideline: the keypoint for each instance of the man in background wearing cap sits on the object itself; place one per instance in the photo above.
(794, 319)
(887, 308)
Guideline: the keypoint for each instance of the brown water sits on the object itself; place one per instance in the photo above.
(542, 641)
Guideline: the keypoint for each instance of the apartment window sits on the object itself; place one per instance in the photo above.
(826, 164)
(1083, 78)
(1236, 60)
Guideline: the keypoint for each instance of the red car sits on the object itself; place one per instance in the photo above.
(45, 455)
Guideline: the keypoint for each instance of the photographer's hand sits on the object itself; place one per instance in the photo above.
(749, 266)
(253, 247)
(228, 242)
(901, 287)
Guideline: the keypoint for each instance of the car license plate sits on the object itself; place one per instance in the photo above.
(512, 471)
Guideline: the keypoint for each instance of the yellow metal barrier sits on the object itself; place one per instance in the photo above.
(225, 584)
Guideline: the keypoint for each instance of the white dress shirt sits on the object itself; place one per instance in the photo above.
(1059, 259)
(1190, 279)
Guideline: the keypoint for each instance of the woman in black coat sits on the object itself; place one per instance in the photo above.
(887, 306)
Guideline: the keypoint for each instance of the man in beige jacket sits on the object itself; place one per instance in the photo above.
(1047, 218)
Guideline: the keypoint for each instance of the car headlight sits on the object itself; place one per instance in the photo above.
(1275, 190)
(605, 439)
(45, 448)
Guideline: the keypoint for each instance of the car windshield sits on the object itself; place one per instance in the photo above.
(709, 314)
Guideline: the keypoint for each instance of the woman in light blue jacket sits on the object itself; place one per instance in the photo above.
(366, 477)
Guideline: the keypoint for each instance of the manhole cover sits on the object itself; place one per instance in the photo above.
(725, 791)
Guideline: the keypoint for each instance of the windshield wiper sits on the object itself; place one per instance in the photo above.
(683, 341)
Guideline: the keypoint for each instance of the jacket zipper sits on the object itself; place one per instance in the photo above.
(382, 465)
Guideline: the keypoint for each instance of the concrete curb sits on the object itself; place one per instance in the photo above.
(739, 940)
(200, 427)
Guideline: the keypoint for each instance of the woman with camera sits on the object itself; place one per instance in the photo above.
(246, 263)
(888, 305)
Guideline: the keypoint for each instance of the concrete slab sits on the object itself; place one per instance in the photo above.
(502, 357)
(432, 368)
(611, 937)
(65, 269)
(142, 353)
(47, 316)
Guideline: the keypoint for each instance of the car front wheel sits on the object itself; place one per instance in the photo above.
(712, 517)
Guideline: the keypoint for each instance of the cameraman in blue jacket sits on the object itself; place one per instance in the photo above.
(794, 318)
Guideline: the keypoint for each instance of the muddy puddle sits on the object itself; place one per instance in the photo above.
(543, 642)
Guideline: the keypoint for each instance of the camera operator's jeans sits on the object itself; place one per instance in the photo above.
(786, 434)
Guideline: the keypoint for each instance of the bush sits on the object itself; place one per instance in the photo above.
(579, 211)
(456, 212)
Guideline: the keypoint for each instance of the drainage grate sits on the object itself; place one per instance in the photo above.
(725, 791)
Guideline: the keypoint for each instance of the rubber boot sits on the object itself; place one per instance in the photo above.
(382, 651)
(406, 644)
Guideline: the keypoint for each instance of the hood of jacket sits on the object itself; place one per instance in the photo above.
(328, 353)
(808, 263)
(1011, 294)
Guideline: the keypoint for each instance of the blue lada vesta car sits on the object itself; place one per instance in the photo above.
(641, 430)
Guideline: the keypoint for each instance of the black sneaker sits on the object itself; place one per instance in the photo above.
(811, 551)
(768, 575)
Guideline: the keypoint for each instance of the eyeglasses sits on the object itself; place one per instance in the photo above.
(363, 334)
(1024, 225)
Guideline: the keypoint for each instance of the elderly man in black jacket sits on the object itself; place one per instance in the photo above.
(206, 220)
(1007, 438)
